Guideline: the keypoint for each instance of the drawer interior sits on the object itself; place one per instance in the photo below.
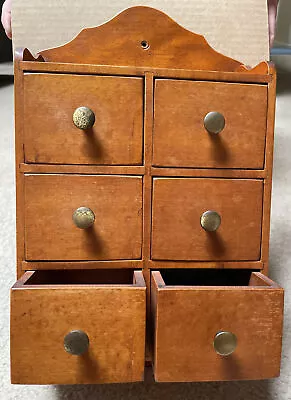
(83, 277)
(211, 277)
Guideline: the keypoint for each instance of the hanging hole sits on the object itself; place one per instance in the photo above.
(144, 44)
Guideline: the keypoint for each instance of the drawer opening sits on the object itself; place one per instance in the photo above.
(83, 277)
(210, 277)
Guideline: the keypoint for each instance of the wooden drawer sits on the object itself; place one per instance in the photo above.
(49, 132)
(108, 307)
(181, 139)
(179, 203)
(215, 325)
(51, 201)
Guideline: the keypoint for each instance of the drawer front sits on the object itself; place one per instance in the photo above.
(51, 136)
(190, 320)
(42, 317)
(51, 201)
(178, 205)
(181, 139)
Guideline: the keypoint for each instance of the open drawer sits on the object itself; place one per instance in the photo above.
(214, 325)
(71, 327)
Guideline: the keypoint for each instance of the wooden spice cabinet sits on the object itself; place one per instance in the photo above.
(171, 249)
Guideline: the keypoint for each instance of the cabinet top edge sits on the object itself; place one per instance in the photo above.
(133, 72)
(139, 40)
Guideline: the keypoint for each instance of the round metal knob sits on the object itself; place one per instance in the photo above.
(214, 122)
(83, 217)
(83, 118)
(76, 343)
(210, 221)
(225, 343)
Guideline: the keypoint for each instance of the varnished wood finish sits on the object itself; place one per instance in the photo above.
(141, 170)
(112, 315)
(19, 158)
(48, 265)
(252, 76)
(178, 205)
(50, 233)
(187, 318)
(266, 219)
(180, 138)
(147, 199)
(50, 135)
(89, 169)
(147, 192)
(82, 169)
(208, 172)
(166, 264)
(167, 46)
(130, 175)
(147, 265)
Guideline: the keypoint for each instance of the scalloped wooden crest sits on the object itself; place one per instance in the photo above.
(143, 37)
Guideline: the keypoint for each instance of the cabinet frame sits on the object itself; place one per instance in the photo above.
(183, 55)
(147, 170)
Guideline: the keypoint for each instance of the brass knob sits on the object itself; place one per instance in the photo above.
(83, 217)
(76, 342)
(83, 118)
(210, 221)
(214, 122)
(225, 343)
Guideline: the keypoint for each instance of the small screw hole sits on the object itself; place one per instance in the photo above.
(144, 44)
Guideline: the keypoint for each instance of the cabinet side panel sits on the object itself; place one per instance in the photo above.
(19, 158)
(269, 154)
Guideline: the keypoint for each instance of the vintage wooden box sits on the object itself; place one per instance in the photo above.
(144, 171)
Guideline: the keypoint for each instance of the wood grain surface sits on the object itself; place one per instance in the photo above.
(180, 138)
(86, 265)
(50, 201)
(42, 316)
(187, 318)
(168, 45)
(178, 204)
(84, 169)
(19, 158)
(148, 169)
(266, 219)
(50, 135)
(253, 76)
(168, 264)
